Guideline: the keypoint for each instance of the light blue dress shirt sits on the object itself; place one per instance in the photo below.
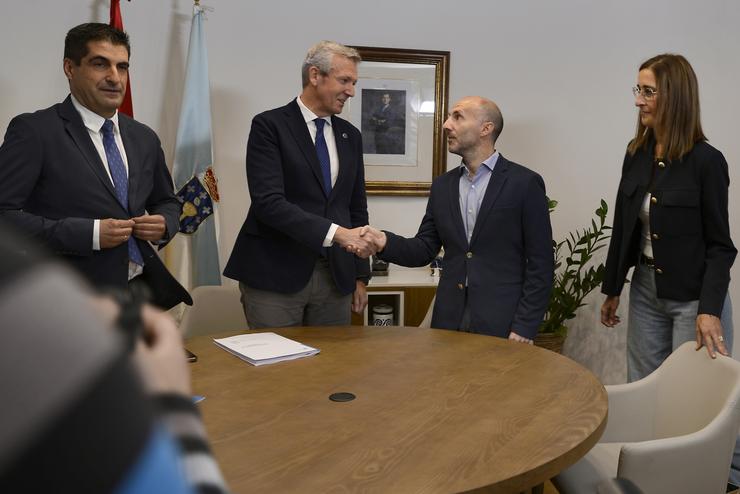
(472, 190)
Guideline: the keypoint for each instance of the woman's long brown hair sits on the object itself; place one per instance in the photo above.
(677, 120)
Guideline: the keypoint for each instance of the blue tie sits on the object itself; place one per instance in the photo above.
(323, 153)
(120, 181)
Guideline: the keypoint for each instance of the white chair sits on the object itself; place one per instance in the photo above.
(427, 322)
(671, 432)
(215, 308)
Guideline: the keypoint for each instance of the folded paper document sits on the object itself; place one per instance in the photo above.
(264, 348)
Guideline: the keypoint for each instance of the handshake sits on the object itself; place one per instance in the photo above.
(363, 241)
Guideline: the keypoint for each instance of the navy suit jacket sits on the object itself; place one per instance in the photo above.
(290, 214)
(508, 264)
(55, 185)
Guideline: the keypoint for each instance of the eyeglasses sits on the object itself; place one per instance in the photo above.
(647, 93)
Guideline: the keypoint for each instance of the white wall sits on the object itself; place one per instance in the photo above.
(561, 72)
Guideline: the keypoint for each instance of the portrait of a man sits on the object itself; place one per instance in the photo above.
(384, 121)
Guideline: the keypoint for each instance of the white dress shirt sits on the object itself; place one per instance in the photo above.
(94, 124)
(331, 145)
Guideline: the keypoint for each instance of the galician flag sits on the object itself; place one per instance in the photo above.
(193, 257)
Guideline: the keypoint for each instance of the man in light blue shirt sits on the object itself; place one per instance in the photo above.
(491, 217)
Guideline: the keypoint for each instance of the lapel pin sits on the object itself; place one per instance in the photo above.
(344, 135)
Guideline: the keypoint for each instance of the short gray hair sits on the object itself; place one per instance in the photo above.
(320, 56)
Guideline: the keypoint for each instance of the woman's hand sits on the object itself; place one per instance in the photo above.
(709, 334)
(609, 317)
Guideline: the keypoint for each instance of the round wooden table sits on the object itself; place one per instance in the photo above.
(435, 411)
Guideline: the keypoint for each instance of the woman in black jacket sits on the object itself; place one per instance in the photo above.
(671, 223)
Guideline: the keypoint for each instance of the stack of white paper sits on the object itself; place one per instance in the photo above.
(264, 348)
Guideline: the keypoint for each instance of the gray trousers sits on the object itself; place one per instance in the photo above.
(319, 303)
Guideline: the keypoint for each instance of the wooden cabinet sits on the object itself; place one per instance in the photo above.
(408, 290)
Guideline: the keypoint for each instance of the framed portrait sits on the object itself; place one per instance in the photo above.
(399, 106)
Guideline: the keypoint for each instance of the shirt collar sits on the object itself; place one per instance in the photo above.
(308, 115)
(92, 120)
(489, 163)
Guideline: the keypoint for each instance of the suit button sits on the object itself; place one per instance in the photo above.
(658, 271)
(460, 286)
(661, 164)
(655, 236)
(654, 200)
(469, 255)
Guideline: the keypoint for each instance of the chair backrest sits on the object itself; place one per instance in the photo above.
(215, 309)
(427, 321)
(692, 389)
(696, 416)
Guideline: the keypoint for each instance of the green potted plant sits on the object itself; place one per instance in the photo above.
(575, 277)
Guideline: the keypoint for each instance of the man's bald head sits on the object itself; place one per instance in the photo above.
(487, 111)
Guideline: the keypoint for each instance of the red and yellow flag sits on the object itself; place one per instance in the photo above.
(116, 21)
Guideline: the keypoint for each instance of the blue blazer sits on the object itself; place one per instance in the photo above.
(290, 214)
(508, 264)
(55, 185)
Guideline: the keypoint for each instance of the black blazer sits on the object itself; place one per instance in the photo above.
(508, 264)
(289, 216)
(55, 185)
(688, 221)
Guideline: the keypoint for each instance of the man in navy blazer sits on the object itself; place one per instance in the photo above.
(491, 217)
(90, 183)
(306, 181)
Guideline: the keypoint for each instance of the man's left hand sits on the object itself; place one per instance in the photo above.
(150, 227)
(520, 339)
(359, 298)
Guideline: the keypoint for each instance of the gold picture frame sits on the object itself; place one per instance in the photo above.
(418, 81)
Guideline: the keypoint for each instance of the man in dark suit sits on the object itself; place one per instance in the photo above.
(491, 217)
(307, 185)
(90, 183)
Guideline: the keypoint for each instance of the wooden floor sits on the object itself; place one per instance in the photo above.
(550, 489)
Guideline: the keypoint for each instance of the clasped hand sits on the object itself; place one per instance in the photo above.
(147, 227)
(362, 241)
